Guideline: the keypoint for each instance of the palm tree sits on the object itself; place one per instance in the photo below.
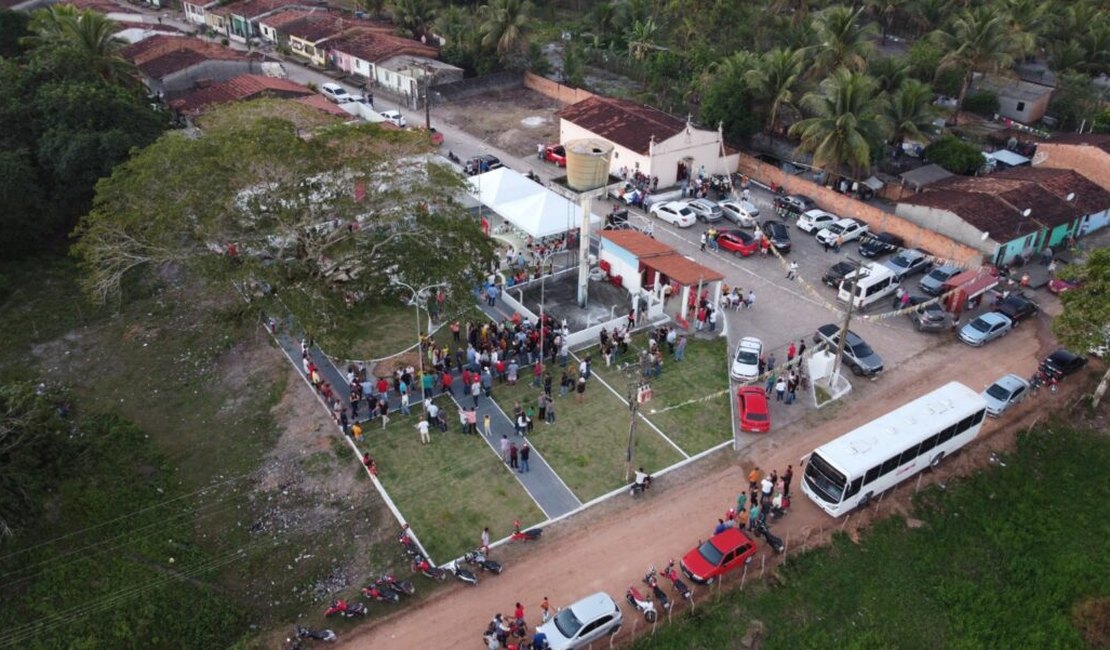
(889, 72)
(641, 38)
(842, 41)
(978, 40)
(505, 26)
(886, 11)
(454, 24)
(1028, 22)
(844, 125)
(908, 112)
(91, 33)
(414, 16)
(1066, 55)
(774, 80)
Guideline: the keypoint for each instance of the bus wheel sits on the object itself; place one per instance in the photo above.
(865, 501)
(936, 460)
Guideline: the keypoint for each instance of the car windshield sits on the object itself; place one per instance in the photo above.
(980, 325)
(901, 260)
(684, 211)
(836, 228)
(826, 481)
(567, 623)
(941, 274)
(861, 350)
(747, 357)
(998, 392)
(711, 554)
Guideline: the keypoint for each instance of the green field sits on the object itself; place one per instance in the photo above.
(1014, 557)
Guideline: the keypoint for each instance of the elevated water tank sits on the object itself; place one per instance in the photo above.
(587, 163)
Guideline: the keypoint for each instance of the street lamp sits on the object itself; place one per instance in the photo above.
(415, 301)
(543, 287)
(847, 315)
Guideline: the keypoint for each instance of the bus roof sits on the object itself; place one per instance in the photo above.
(861, 449)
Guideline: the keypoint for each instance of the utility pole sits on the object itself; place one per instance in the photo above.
(847, 315)
(634, 375)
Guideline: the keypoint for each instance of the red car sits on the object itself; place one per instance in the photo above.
(722, 553)
(738, 242)
(754, 414)
(1063, 285)
(555, 153)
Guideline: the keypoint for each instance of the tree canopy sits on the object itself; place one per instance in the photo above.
(955, 155)
(326, 221)
(1085, 322)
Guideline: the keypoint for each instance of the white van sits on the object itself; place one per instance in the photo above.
(878, 282)
(337, 93)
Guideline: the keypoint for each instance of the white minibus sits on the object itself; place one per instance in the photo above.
(877, 282)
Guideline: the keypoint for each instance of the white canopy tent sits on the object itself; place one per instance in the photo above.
(529, 206)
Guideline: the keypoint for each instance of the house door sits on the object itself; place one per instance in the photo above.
(1059, 234)
(683, 171)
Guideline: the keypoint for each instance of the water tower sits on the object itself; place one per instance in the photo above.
(587, 172)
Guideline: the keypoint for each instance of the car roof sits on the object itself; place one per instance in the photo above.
(817, 212)
(1011, 381)
(592, 606)
(910, 252)
(750, 342)
(705, 202)
(1063, 354)
(752, 390)
(887, 237)
(730, 538)
(995, 317)
(845, 222)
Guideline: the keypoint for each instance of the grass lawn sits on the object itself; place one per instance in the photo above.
(450, 489)
(588, 443)
(703, 372)
(1004, 559)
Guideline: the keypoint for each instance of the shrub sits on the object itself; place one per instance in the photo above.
(955, 155)
(981, 103)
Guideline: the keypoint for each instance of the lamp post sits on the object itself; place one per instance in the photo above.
(415, 302)
(543, 302)
(847, 316)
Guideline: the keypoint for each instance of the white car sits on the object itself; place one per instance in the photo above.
(845, 229)
(745, 363)
(584, 623)
(395, 118)
(337, 93)
(738, 212)
(813, 220)
(675, 213)
(1004, 393)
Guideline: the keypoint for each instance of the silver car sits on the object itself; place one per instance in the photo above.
(985, 329)
(585, 622)
(933, 283)
(1004, 393)
(740, 213)
(706, 210)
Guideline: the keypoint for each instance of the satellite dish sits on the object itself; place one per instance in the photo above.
(1070, 196)
(1026, 212)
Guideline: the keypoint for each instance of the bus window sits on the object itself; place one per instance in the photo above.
(853, 489)
(872, 474)
(890, 465)
(979, 417)
(966, 423)
(947, 434)
(928, 444)
(908, 455)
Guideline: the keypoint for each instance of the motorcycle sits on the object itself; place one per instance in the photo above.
(672, 574)
(637, 488)
(400, 586)
(345, 609)
(464, 575)
(452, 157)
(530, 535)
(641, 604)
(425, 567)
(380, 593)
(774, 541)
(780, 506)
(660, 595)
(411, 549)
(318, 635)
(479, 559)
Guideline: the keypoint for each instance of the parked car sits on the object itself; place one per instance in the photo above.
(738, 213)
(929, 318)
(675, 213)
(555, 153)
(395, 118)
(909, 262)
(861, 359)
(718, 555)
(933, 282)
(481, 164)
(705, 210)
(1004, 393)
(1016, 307)
(1062, 363)
(337, 93)
(626, 193)
(752, 409)
(583, 623)
(737, 241)
(985, 329)
(813, 220)
(752, 208)
(777, 234)
(845, 229)
(1063, 285)
(838, 272)
(793, 204)
(745, 363)
(878, 245)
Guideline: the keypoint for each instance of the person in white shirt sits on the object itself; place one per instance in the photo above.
(422, 427)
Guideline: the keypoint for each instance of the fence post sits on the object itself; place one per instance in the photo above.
(744, 577)
(844, 526)
(762, 565)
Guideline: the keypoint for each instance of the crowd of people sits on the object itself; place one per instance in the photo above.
(512, 632)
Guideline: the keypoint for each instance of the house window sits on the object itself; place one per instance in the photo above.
(1020, 106)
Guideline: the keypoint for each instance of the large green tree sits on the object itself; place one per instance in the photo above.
(505, 26)
(1085, 321)
(977, 40)
(729, 99)
(326, 221)
(774, 80)
(907, 112)
(845, 40)
(844, 127)
(90, 33)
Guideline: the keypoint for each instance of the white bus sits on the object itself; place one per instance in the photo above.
(860, 465)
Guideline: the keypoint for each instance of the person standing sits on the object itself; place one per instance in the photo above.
(504, 447)
(475, 389)
(422, 427)
(754, 477)
(525, 452)
(790, 352)
(750, 302)
(780, 389)
(383, 411)
(767, 486)
(680, 348)
(484, 548)
(486, 425)
(472, 421)
(580, 389)
(539, 151)
(787, 477)
(793, 272)
(405, 403)
(839, 243)
(513, 455)
(551, 412)
(753, 516)
(545, 608)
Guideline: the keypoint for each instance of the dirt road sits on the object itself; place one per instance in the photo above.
(610, 547)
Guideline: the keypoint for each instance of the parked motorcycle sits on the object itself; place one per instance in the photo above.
(380, 593)
(317, 635)
(642, 604)
(423, 566)
(672, 574)
(452, 157)
(479, 559)
(464, 575)
(409, 544)
(774, 541)
(780, 506)
(345, 609)
(653, 582)
(400, 586)
(530, 535)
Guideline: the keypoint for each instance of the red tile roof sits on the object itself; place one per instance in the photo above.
(1099, 140)
(316, 27)
(321, 103)
(374, 46)
(162, 44)
(623, 122)
(682, 269)
(102, 6)
(249, 9)
(282, 18)
(243, 87)
(637, 243)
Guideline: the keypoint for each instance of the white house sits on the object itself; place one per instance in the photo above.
(389, 61)
(648, 140)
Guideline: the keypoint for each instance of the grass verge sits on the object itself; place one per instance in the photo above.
(1009, 558)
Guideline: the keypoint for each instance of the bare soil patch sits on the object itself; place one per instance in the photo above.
(513, 120)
